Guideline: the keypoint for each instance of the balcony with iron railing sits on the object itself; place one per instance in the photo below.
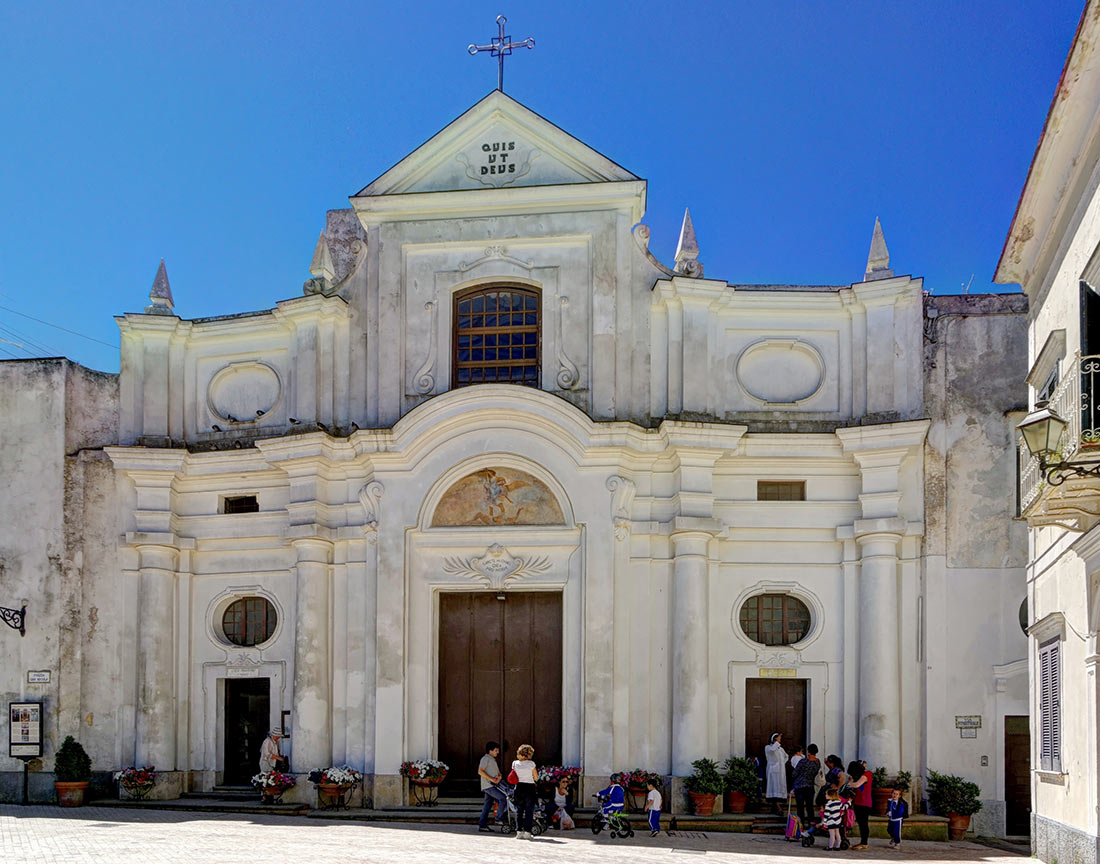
(1047, 499)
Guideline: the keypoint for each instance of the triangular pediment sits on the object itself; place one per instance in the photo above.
(497, 144)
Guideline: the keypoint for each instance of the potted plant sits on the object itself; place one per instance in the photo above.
(272, 785)
(136, 782)
(551, 775)
(73, 771)
(703, 786)
(741, 783)
(424, 776)
(882, 787)
(333, 785)
(955, 797)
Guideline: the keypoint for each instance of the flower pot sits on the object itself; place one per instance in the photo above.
(880, 797)
(958, 825)
(272, 794)
(736, 801)
(70, 794)
(134, 793)
(332, 795)
(702, 803)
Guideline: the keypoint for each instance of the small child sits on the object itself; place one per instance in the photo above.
(834, 815)
(896, 810)
(615, 794)
(653, 808)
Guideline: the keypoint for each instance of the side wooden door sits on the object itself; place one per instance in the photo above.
(1017, 776)
(774, 705)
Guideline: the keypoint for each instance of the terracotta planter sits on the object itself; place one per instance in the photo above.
(957, 825)
(332, 795)
(426, 781)
(736, 801)
(70, 794)
(272, 794)
(880, 797)
(702, 803)
(134, 793)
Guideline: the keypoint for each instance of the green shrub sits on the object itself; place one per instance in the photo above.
(950, 794)
(71, 764)
(705, 779)
(903, 780)
(878, 777)
(741, 776)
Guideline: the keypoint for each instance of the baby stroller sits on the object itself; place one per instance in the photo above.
(510, 823)
(807, 835)
(617, 822)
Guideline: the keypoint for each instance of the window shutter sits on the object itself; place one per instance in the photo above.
(1050, 707)
(1055, 706)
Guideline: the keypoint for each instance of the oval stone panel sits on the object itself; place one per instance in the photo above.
(242, 392)
(780, 371)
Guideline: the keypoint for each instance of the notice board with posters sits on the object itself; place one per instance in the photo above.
(25, 730)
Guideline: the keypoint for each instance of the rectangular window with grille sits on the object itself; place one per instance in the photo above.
(1050, 706)
(780, 490)
(240, 504)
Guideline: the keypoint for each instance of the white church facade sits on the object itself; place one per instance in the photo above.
(500, 473)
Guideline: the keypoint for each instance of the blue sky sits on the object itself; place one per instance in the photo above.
(216, 135)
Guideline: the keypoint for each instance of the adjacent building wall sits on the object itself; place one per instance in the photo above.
(58, 555)
(975, 546)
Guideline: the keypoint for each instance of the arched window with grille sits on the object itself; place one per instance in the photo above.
(496, 336)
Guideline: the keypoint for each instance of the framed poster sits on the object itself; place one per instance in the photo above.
(25, 730)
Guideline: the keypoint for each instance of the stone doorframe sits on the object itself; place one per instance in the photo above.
(504, 559)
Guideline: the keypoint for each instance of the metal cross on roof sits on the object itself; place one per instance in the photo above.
(500, 46)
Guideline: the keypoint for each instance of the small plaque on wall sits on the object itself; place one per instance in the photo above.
(243, 672)
(778, 673)
(968, 721)
(39, 677)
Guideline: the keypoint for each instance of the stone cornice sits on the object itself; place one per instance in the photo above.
(625, 195)
(905, 435)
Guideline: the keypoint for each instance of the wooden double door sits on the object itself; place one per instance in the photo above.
(500, 679)
(774, 705)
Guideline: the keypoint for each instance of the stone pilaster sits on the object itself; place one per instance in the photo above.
(690, 669)
(311, 722)
(892, 503)
(879, 669)
(155, 733)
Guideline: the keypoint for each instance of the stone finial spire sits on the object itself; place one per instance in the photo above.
(160, 295)
(321, 265)
(878, 260)
(687, 250)
(321, 271)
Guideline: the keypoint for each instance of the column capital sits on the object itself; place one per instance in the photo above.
(313, 550)
(865, 530)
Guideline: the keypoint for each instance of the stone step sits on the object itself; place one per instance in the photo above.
(225, 793)
(207, 805)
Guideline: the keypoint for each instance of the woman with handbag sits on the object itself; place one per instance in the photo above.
(525, 776)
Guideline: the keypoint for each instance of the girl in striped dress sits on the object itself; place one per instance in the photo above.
(834, 816)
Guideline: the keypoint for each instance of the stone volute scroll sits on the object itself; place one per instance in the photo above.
(370, 497)
(622, 497)
(497, 569)
(424, 380)
(568, 374)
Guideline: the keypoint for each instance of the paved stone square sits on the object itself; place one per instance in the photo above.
(50, 834)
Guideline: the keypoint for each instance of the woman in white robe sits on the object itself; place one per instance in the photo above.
(777, 768)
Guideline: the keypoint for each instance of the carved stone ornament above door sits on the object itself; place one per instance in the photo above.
(497, 568)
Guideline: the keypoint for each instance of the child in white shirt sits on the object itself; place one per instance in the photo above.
(653, 808)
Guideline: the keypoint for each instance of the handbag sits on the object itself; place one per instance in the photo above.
(849, 817)
(513, 778)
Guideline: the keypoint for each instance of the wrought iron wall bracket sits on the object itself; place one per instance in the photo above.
(1057, 473)
(15, 618)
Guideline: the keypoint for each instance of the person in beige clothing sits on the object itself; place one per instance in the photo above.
(270, 757)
